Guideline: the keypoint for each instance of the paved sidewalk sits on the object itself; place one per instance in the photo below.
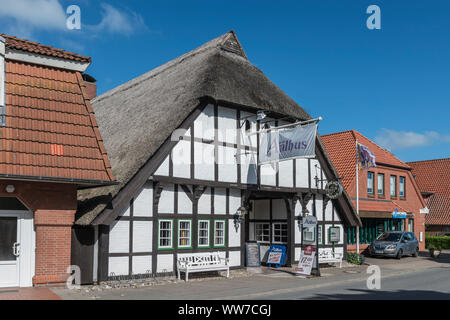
(27, 294)
(268, 284)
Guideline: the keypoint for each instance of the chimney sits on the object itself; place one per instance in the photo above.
(91, 86)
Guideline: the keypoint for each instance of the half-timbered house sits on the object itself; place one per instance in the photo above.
(178, 143)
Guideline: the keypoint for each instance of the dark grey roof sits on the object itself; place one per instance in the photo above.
(137, 117)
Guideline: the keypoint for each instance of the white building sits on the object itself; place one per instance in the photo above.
(177, 143)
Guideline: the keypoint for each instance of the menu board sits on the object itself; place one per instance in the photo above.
(253, 254)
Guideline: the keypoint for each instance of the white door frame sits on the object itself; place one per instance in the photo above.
(27, 238)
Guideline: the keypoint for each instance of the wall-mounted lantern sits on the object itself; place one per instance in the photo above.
(239, 216)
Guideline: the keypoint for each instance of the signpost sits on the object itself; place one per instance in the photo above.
(276, 256)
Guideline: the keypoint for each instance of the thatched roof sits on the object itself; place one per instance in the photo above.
(137, 117)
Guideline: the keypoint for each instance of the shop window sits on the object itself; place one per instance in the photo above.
(370, 183)
(219, 233)
(401, 190)
(380, 184)
(262, 232)
(165, 234)
(184, 234)
(393, 186)
(203, 233)
(280, 233)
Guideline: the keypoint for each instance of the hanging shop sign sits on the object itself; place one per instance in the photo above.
(289, 143)
(306, 261)
(334, 234)
(276, 255)
(309, 224)
(399, 215)
(333, 189)
(253, 255)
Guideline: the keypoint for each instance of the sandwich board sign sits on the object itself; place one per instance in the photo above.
(306, 261)
(276, 256)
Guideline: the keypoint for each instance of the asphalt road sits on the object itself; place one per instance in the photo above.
(411, 278)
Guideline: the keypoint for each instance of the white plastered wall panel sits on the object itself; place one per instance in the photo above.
(118, 266)
(143, 203)
(227, 125)
(315, 172)
(297, 233)
(261, 209)
(142, 265)
(234, 200)
(204, 203)
(249, 168)
(268, 174)
(246, 140)
(181, 159)
(164, 263)
(329, 211)
(166, 200)
(235, 258)
(234, 237)
(286, 173)
(301, 173)
(119, 237)
(298, 252)
(184, 203)
(298, 209)
(204, 124)
(163, 169)
(227, 165)
(279, 210)
(142, 236)
(220, 201)
(319, 207)
(203, 161)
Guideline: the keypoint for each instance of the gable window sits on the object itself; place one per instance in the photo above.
(280, 233)
(380, 184)
(262, 232)
(219, 233)
(165, 234)
(401, 190)
(393, 186)
(184, 234)
(203, 233)
(370, 183)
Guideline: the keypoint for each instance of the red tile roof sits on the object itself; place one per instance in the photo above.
(34, 47)
(434, 176)
(50, 131)
(341, 147)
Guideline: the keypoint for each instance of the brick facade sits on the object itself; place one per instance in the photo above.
(53, 206)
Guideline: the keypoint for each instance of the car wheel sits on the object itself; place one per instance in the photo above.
(399, 254)
(416, 253)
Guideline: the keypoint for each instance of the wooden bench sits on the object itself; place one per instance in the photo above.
(335, 258)
(201, 262)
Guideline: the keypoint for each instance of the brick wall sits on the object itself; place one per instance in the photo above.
(54, 206)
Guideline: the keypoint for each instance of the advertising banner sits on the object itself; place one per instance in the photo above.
(289, 143)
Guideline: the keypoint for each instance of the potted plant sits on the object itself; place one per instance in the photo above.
(435, 250)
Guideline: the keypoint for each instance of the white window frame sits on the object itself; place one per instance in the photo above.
(372, 185)
(209, 234)
(393, 186)
(169, 238)
(263, 238)
(281, 232)
(400, 187)
(382, 184)
(190, 234)
(223, 244)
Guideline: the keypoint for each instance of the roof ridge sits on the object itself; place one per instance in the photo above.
(422, 161)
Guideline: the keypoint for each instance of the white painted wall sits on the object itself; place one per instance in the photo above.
(164, 263)
(220, 201)
(119, 237)
(181, 159)
(184, 203)
(235, 258)
(204, 203)
(143, 203)
(234, 237)
(118, 266)
(204, 124)
(142, 236)
(227, 125)
(142, 264)
(166, 200)
(301, 173)
(204, 161)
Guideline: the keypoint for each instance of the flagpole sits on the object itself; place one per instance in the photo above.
(357, 198)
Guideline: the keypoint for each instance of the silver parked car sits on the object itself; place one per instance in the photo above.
(395, 244)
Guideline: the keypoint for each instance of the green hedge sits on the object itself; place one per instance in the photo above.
(437, 242)
(355, 258)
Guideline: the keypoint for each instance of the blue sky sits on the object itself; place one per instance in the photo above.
(392, 84)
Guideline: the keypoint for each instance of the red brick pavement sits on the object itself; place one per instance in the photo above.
(27, 294)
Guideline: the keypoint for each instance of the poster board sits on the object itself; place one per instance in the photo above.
(306, 261)
(276, 255)
(252, 254)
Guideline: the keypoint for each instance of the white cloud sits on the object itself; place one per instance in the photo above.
(122, 21)
(395, 140)
(27, 16)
